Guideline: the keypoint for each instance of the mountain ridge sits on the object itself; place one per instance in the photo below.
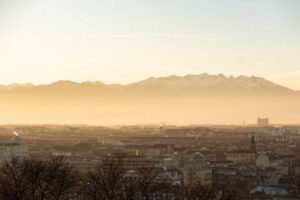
(194, 99)
(200, 81)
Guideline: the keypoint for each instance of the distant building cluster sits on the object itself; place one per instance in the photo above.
(257, 162)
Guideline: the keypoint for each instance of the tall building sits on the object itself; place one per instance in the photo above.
(262, 121)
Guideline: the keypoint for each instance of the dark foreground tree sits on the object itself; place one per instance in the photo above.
(106, 182)
(149, 185)
(13, 183)
(22, 179)
(27, 179)
(200, 192)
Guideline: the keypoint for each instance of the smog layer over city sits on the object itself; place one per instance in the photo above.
(149, 100)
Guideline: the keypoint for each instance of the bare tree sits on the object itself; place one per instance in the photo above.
(13, 183)
(106, 181)
(32, 179)
(54, 179)
(149, 184)
(61, 178)
(35, 174)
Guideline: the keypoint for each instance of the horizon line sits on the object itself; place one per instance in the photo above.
(147, 124)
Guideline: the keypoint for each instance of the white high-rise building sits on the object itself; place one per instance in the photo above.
(13, 147)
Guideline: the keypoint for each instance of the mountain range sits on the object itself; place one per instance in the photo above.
(187, 99)
(191, 83)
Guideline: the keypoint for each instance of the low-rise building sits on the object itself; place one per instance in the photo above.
(262, 161)
(241, 156)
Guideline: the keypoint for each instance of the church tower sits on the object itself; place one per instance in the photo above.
(253, 144)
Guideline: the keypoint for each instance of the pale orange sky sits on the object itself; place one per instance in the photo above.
(122, 41)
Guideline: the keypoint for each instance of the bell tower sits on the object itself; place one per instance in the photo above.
(253, 144)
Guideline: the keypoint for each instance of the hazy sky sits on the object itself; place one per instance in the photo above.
(120, 41)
